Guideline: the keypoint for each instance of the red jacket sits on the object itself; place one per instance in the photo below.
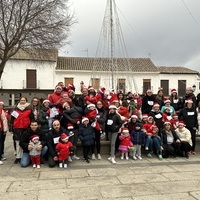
(125, 141)
(24, 118)
(63, 150)
(54, 97)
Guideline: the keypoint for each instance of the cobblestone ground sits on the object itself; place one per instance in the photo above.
(149, 179)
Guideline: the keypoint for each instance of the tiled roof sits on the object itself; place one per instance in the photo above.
(176, 70)
(36, 54)
(102, 64)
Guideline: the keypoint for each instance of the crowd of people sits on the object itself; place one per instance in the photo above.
(48, 130)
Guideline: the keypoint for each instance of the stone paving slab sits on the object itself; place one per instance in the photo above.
(28, 195)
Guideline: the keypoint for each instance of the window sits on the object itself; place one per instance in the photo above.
(181, 87)
(165, 85)
(95, 82)
(31, 76)
(69, 81)
(146, 85)
(121, 85)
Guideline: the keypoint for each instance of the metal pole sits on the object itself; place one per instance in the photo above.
(111, 42)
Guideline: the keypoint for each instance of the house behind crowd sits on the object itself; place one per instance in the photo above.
(36, 72)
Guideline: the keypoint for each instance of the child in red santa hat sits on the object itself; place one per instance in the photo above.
(34, 153)
(125, 143)
(63, 149)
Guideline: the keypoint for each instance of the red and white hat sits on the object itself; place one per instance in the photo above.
(167, 101)
(84, 119)
(134, 116)
(34, 137)
(90, 105)
(173, 90)
(1, 102)
(125, 130)
(150, 117)
(167, 122)
(64, 137)
(58, 87)
(45, 100)
(181, 123)
(102, 89)
(112, 107)
(65, 104)
(189, 101)
(145, 116)
(90, 88)
(175, 115)
(156, 104)
(70, 126)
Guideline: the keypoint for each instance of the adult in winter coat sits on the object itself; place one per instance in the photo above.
(86, 135)
(55, 97)
(175, 100)
(52, 140)
(114, 124)
(185, 138)
(189, 94)
(20, 121)
(3, 131)
(43, 116)
(147, 102)
(171, 141)
(189, 116)
(25, 140)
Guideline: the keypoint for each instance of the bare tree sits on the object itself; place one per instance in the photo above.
(32, 24)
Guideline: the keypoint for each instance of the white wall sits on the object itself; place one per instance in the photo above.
(15, 73)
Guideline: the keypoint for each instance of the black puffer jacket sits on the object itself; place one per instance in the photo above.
(114, 122)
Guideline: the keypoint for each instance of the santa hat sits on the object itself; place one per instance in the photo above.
(102, 89)
(181, 123)
(120, 92)
(150, 117)
(58, 87)
(45, 100)
(90, 105)
(1, 102)
(189, 101)
(155, 104)
(167, 122)
(145, 116)
(70, 126)
(64, 137)
(136, 95)
(173, 90)
(65, 104)
(64, 94)
(134, 116)
(84, 119)
(153, 127)
(112, 107)
(175, 115)
(90, 88)
(70, 87)
(114, 98)
(125, 130)
(167, 101)
(34, 137)
(189, 88)
(56, 121)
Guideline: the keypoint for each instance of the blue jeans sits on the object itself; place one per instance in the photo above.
(25, 160)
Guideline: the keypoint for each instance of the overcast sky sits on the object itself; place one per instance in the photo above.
(165, 30)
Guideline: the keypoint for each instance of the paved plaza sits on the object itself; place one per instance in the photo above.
(149, 179)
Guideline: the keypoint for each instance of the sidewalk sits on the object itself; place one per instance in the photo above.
(149, 179)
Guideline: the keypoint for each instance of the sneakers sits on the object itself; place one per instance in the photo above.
(127, 157)
(147, 148)
(122, 157)
(60, 165)
(34, 165)
(134, 158)
(87, 160)
(74, 157)
(17, 160)
(1, 162)
(69, 159)
(93, 156)
(139, 157)
(113, 160)
(3, 158)
(160, 157)
(65, 166)
(38, 166)
(98, 156)
(193, 152)
(149, 155)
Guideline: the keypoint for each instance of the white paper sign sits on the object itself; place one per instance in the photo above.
(150, 103)
(158, 116)
(15, 114)
(110, 122)
(56, 140)
(190, 113)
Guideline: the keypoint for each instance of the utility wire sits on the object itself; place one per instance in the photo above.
(196, 22)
